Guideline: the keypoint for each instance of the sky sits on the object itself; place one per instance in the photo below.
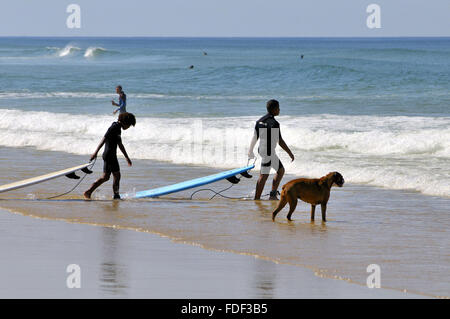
(230, 18)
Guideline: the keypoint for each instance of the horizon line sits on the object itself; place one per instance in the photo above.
(221, 37)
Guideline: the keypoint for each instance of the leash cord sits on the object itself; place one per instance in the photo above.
(73, 188)
(220, 193)
(223, 190)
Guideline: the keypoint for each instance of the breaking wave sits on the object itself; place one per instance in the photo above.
(397, 152)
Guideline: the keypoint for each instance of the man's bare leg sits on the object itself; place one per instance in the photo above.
(87, 194)
(276, 181)
(260, 185)
(116, 183)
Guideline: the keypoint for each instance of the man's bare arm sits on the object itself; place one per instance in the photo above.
(252, 146)
(284, 146)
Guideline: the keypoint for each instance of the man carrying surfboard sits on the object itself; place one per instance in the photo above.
(267, 130)
(111, 140)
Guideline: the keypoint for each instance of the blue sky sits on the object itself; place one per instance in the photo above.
(230, 18)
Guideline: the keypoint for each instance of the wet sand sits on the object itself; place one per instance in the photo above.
(233, 243)
(127, 264)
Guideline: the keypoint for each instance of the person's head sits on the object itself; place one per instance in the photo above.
(126, 120)
(273, 107)
(118, 89)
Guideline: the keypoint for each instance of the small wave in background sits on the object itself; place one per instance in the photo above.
(74, 50)
(92, 52)
(67, 50)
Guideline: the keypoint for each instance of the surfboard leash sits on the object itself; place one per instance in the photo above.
(220, 193)
(77, 184)
(233, 180)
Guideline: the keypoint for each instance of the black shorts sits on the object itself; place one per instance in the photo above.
(111, 165)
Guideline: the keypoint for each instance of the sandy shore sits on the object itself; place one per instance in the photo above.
(175, 247)
(128, 264)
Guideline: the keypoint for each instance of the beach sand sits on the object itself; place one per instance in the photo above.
(174, 247)
(118, 263)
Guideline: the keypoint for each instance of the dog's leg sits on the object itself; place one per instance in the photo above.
(292, 205)
(313, 211)
(324, 212)
(281, 204)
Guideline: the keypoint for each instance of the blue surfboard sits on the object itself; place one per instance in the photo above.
(192, 183)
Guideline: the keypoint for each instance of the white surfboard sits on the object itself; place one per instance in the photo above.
(40, 179)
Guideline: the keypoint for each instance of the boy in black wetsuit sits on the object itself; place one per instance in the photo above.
(267, 129)
(111, 140)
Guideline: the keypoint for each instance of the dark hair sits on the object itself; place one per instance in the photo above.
(120, 87)
(272, 105)
(127, 119)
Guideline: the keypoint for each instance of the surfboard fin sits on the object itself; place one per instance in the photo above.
(246, 175)
(73, 176)
(86, 170)
(233, 180)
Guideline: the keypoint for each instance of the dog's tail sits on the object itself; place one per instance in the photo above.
(283, 190)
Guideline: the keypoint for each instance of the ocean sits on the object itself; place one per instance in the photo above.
(375, 109)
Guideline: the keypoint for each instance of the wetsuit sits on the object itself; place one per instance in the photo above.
(267, 129)
(112, 139)
(122, 103)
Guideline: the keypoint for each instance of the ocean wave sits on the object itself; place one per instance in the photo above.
(406, 51)
(331, 69)
(213, 97)
(94, 51)
(393, 152)
(70, 49)
(67, 50)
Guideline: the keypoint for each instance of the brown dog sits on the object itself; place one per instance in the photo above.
(313, 191)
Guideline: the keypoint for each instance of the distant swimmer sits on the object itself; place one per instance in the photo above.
(112, 140)
(122, 105)
(204, 53)
(301, 57)
(191, 67)
(267, 130)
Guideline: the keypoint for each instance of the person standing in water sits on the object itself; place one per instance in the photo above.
(267, 130)
(122, 105)
(111, 140)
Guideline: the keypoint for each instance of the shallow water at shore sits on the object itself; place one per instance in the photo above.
(406, 233)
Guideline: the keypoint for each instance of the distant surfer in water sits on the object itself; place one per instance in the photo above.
(111, 140)
(122, 105)
(267, 130)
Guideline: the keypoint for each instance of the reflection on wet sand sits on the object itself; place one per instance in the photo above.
(264, 278)
(113, 279)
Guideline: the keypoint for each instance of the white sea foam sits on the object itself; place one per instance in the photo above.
(93, 51)
(140, 95)
(67, 50)
(59, 94)
(392, 152)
